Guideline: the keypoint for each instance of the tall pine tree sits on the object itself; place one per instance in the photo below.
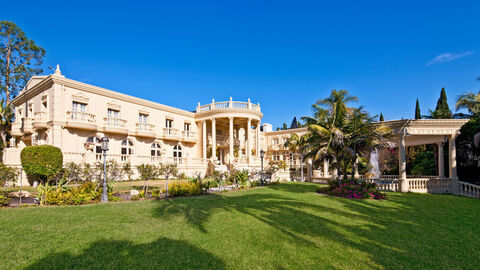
(294, 123)
(418, 115)
(442, 111)
(381, 118)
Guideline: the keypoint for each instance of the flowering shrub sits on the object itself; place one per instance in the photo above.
(355, 190)
(184, 189)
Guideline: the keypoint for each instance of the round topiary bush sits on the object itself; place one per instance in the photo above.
(42, 161)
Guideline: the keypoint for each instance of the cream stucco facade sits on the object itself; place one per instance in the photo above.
(73, 116)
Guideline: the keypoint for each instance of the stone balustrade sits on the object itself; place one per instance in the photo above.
(228, 105)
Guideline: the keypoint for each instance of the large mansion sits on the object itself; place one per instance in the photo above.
(74, 116)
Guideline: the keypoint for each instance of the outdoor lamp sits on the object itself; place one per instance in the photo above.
(105, 143)
(104, 149)
(262, 155)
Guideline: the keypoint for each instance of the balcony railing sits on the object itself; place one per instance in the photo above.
(115, 122)
(81, 117)
(170, 131)
(229, 105)
(40, 116)
(145, 127)
(188, 134)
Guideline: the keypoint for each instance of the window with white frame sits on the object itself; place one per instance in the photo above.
(177, 154)
(78, 110)
(143, 121)
(127, 147)
(112, 117)
(97, 146)
(275, 141)
(155, 150)
(168, 123)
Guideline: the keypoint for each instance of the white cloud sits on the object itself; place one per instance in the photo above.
(448, 57)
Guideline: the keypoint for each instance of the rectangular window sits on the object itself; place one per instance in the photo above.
(169, 123)
(275, 141)
(142, 118)
(186, 126)
(79, 107)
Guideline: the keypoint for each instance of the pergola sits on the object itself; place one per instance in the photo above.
(425, 131)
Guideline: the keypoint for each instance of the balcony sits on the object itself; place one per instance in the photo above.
(145, 130)
(229, 105)
(16, 129)
(40, 120)
(115, 125)
(171, 134)
(27, 125)
(80, 120)
(189, 136)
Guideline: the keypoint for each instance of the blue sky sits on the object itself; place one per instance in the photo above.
(283, 54)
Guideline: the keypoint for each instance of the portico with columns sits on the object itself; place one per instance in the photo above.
(230, 132)
(438, 132)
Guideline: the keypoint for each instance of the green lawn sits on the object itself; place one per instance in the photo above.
(284, 226)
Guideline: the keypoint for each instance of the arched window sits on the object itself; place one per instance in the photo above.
(177, 154)
(127, 147)
(155, 150)
(97, 145)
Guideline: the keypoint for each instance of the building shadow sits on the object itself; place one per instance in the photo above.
(163, 253)
(402, 232)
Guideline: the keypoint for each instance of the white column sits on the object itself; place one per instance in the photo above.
(257, 144)
(402, 165)
(309, 170)
(204, 138)
(214, 140)
(325, 168)
(441, 169)
(230, 138)
(452, 158)
(247, 140)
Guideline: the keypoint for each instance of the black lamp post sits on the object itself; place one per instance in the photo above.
(262, 155)
(104, 149)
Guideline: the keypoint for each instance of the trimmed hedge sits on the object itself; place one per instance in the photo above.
(41, 160)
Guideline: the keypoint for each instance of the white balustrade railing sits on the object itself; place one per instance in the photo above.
(81, 117)
(145, 127)
(469, 190)
(384, 184)
(170, 131)
(229, 104)
(40, 116)
(115, 122)
(188, 134)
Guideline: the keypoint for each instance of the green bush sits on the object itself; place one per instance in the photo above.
(4, 200)
(184, 189)
(83, 194)
(41, 160)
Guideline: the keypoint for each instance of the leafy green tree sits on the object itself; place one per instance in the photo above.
(73, 173)
(7, 174)
(147, 172)
(381, 119)
(168, 170)
(127, 170)
(20, 59)
(418, 115)
(442, 111)
(284, 126)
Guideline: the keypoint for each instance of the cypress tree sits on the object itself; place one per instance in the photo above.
(381, 118)
(294, 123)
(442, 111)
(417, 111)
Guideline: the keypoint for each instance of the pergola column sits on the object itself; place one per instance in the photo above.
(325, 168)
(257, 144)
(452, 158)
(204, 139)
(441, 169)
(214, 140)
(402, 164)
(230, 138)
(247, 140)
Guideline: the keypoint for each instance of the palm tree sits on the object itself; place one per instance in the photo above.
(341, 133)
(469, 101)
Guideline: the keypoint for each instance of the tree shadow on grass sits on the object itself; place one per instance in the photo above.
(161, 254)
(406, 231)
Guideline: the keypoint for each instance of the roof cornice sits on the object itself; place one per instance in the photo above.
(52, 79)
